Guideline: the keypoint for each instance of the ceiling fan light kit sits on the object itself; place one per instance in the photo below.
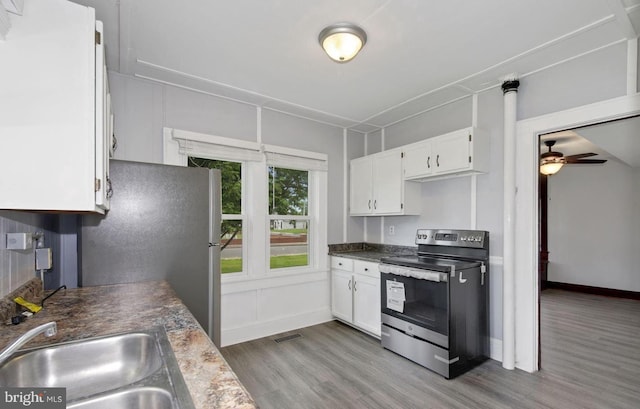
(342, 41)
(551, 162)
(552, 165)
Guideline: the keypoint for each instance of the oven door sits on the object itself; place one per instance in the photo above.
(417, 306)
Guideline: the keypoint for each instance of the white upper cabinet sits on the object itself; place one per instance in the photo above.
(457, 153)
(377, 186)
(55, 116)
(417, 160)
(361, 178)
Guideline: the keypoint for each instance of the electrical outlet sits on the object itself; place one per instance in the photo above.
(392, 230)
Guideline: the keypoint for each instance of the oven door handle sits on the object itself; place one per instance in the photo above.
(418, 273)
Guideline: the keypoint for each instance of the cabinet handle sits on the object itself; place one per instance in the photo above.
(114, 143)
(438, 160)
(109, 188)
(366, 269)
(339, 264)
(428, 162)
(369, 204)
(375, 204)
(354, 285)
(349, 285)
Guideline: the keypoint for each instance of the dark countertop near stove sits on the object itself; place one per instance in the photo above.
(370, 251)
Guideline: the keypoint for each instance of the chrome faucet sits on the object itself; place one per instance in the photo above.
(49, 329)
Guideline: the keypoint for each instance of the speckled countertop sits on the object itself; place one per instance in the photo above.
(369, 251)
(96, 311)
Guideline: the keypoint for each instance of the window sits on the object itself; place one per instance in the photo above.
(231, 229)
(289, 220)
(274, 203)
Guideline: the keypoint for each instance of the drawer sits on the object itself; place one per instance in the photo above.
(341, 263)
(366, 268)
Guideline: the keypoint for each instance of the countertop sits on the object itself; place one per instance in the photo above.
(369, 251)
(104, 310)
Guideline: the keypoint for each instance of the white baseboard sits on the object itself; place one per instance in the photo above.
(495, 349)
(257, 330)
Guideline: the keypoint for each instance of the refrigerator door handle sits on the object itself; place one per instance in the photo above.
(214, 244)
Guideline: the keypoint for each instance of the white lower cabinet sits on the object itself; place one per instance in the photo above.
(355, 295)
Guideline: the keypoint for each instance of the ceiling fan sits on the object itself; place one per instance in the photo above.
(551, 161)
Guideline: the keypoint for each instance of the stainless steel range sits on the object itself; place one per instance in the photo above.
(435, 305)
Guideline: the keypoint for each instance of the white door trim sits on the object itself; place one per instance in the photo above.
(526, 249)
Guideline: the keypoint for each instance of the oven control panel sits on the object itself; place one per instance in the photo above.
(457, 238)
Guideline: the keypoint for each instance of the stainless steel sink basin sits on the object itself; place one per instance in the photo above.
(139, 398)
(86, 367)
(131, 370)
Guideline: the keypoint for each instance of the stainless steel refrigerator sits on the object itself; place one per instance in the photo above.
(164, 224)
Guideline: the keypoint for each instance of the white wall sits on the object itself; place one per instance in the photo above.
(594, 213)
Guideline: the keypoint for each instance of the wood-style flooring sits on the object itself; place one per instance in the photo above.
(590, 359)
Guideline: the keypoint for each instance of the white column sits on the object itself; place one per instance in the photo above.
(345, 186)
(510, 90)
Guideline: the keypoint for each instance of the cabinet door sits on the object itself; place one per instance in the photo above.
(361, 186)
(387, 182)
(341, 295)
(452, 152)
(366, 303)
(417, 160)
(47, 109)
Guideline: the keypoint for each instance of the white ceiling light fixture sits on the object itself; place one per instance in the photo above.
(342, 41)
(551, 162)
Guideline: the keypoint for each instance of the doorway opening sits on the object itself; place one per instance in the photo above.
(587, 250)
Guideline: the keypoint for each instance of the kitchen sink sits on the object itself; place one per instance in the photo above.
(85, 367)
(139, 398)
(131, 370)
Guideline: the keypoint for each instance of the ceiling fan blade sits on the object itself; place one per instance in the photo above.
(580, 155)
(585, 161)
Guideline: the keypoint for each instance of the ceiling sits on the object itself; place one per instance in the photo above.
(618, 140)
(419, 54)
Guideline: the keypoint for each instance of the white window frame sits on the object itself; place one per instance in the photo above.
(255, 157)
